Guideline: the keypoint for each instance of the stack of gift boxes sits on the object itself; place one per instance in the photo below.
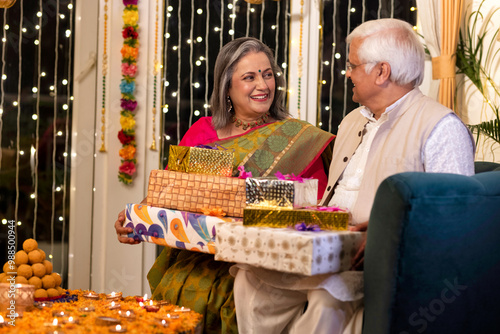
(270, 222)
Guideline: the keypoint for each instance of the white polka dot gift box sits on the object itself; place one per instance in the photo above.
(287, 250)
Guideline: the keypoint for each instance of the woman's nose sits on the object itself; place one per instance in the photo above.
(261, 82)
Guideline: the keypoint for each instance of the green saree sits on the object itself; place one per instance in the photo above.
(195, 280)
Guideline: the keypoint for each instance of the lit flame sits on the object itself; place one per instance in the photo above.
(55, 322)
(1, 319)
(118, 327)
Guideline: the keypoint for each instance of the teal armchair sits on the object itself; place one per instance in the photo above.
(432, 258)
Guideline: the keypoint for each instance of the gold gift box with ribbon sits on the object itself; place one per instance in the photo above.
(326, 220)
(198, 160)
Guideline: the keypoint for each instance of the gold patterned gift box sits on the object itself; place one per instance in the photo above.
(324, 219)
(287, 250)
(196, 192)
(272, 192)
(200, 160)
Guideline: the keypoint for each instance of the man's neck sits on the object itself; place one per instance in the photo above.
(388, 97)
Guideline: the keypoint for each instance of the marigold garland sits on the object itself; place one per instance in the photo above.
(129, 51)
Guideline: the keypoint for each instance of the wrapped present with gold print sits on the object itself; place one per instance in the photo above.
(201, 160)
(196, 192)
(281, 193)
(325, 218)
(287, 250)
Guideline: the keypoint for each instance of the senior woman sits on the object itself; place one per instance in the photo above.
(248, 116)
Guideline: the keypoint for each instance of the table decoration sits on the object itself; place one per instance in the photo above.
(91, 295)
(95, 317)
(117, 329)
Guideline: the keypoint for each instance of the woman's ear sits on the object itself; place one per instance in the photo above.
(384, 72)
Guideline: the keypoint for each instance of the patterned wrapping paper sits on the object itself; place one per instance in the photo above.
(271, 192)
(287, 250)
(337, 220)
(194, 192)
(177, 229)
(200, 160)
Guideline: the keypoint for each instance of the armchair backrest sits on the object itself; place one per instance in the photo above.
(432, 258)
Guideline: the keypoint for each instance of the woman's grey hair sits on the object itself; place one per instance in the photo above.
(392, 41)
(229, 56)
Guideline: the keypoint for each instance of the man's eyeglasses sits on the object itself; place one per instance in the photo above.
(350, 66)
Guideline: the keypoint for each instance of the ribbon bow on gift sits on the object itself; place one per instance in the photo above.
(217, 212)
(290, 177)
(303, 227)
(216, 147)
(243, 174)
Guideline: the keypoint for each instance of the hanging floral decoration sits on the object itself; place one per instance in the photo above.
(128, 103)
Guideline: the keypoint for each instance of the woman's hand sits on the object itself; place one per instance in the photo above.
(357, 261)
(122, 231)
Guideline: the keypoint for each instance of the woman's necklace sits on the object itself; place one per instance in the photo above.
(245, 125)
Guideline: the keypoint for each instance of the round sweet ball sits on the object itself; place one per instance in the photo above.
(52, 292)
(35, 256)
(36, 281)
(48, 282)
(30, 245)
(21, 280)
(9, 268)
(48, 266)
(60, 290)
(2, 275)
(39, 270)
(7, 278)
(41, 293)
(43, 254)
(57, 278)
(21, 257)
(25, 271)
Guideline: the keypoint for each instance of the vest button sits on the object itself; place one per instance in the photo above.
(329, 187)
(359, 134)
(345, 159)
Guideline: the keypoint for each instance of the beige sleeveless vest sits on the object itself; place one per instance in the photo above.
(397, 147)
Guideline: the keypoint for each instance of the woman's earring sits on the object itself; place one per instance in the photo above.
(229, 105)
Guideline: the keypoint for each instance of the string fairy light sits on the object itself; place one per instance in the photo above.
(104, 79)
(191, 65)
(344, 111)
(262, 19)
(54, 128)
(2, 90)
(164, 69)
(67, 134)
(332, 63)
(248, 20)
(37, 129)
(18, 133)
(206, 57)
(300, 59)
(155, 75)
(178, 95)
(277, 30)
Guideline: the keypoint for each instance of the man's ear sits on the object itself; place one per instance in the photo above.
(383, 72)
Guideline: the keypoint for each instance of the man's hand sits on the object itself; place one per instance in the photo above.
(357, 261)
(122, 231)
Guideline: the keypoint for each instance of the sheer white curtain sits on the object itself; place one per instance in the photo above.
(428, 16)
